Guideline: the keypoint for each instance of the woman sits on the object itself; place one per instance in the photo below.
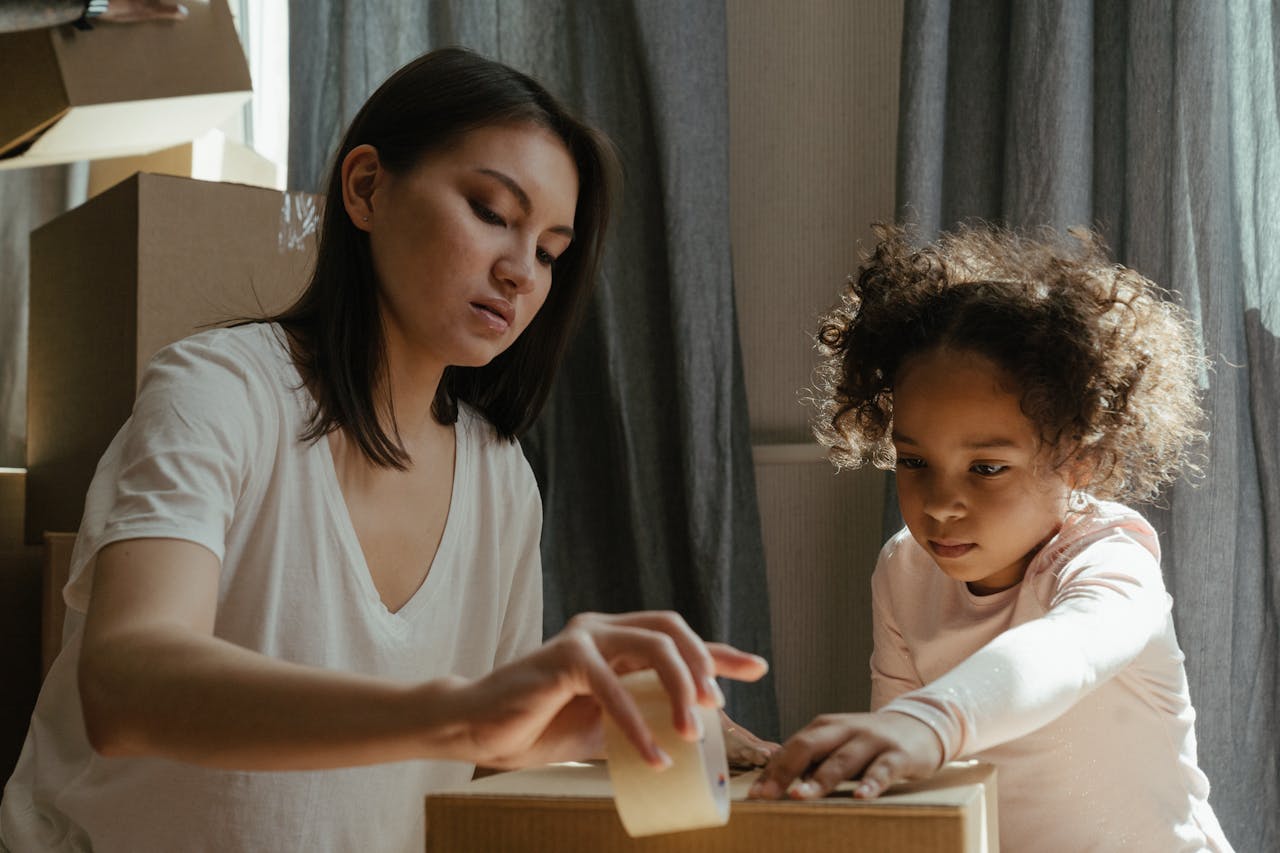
(314, 545)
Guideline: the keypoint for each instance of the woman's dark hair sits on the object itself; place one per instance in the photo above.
(335, 328)
(1105, 365)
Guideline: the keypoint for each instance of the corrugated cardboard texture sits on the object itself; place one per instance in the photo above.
(51, 72)
(569, 810)
(148, 262)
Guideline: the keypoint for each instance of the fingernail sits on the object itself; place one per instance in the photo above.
(714, 689)
(698, 730)
(805, 790)
(664, 760)
(864, 790)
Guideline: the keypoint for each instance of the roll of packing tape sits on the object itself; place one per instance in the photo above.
(690, 794)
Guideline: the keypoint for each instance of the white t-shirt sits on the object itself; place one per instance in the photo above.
(211, 455)
(1071, 683)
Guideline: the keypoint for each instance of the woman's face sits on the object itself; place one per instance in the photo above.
(463, 243)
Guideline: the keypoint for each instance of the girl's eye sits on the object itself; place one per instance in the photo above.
(545, 258)
(487, 215)
(988, 470)
(911, 463)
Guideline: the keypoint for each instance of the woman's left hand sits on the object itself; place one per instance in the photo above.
(547, 706)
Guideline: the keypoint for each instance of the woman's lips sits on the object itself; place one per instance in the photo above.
(951, 550)
(490, 317)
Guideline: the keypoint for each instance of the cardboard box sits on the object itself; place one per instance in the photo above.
(13, 488)
(146, 263)
(212, 157)
(117, 90)
(569, 809)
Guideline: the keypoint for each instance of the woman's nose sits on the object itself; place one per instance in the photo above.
(517, 271)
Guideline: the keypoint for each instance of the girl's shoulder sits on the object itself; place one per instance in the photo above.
(1098, 522)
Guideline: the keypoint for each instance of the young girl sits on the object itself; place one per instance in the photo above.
(1019, 386)
(313, 547)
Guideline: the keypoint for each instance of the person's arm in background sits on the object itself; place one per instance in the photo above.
(18, 15)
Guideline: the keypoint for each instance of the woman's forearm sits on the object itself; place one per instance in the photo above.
(195, 698)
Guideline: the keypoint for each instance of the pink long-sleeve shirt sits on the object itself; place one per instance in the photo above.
(1071, 683)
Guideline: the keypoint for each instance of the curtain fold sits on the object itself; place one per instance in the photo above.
(1155, 122)
(643, 452)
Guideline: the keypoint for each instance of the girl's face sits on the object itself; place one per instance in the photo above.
(463, 244)
(974, 482)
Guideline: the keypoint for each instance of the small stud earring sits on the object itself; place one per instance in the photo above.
(365, 218)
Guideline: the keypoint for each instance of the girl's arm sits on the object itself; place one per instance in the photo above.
(1107, 607)
(154, 681)
(892, 670)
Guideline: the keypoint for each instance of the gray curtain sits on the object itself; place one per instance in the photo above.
(643, 453)
(1157, 123)
(28, 199)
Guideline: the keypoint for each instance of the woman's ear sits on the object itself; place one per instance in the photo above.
(361, 171)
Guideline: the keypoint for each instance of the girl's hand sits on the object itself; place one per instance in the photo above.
(879, 749)
(742, 748)
(547, 706)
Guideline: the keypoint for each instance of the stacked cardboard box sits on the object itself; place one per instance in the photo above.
(146, 263)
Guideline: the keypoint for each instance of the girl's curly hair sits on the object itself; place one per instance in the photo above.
(1106, 365)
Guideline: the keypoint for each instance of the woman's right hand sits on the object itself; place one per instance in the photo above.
(547, 706)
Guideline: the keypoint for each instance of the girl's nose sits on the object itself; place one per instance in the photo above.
(944, 504)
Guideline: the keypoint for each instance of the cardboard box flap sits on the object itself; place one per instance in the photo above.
(115, 130)
(130, 77)
(29, 57)
(155, 59)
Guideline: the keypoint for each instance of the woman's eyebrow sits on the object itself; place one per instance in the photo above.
(522, 197)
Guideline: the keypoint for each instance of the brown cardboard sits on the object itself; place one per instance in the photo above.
(53, 609)
(146, 263)
(13, 488)
(212, 157)
(569, 809)
(118, 89)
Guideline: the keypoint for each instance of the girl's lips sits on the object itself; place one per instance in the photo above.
(951, 551)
